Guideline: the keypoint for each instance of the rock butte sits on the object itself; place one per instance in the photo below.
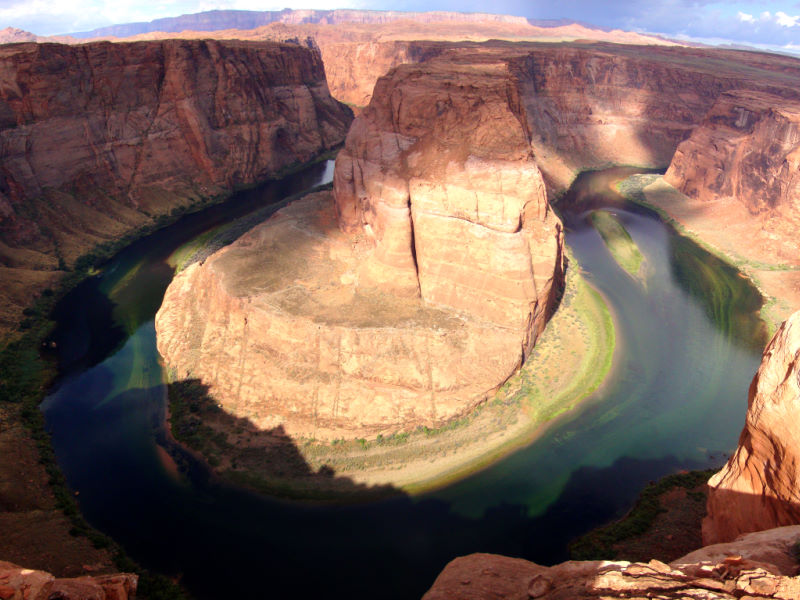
(742, 569)
(440, 193)
(101, 139)
(759, 487)
(445, 267)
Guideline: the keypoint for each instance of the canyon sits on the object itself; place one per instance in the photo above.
(406, 295)
(101, 140)
(448, 265)
(440, 196)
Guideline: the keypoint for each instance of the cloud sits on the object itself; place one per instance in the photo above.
(785, 20)
(742, 21)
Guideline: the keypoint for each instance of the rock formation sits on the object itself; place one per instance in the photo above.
(440, 192)
(759, 487)
(746, 152)
(18, 582)
(447, 265)
(98, 140)
(740, 574)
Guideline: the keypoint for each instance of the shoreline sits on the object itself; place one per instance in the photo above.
(27, 376)
(777, 303)
(423, 460)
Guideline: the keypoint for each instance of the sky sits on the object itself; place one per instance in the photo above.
(774, 24)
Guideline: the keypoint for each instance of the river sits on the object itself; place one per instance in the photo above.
(688, 343)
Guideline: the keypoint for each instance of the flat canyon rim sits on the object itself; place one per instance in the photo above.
(107, 419)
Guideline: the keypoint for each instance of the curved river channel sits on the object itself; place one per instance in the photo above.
(688, 343)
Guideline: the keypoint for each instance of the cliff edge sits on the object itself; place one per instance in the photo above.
(99, 140)
(759, 487)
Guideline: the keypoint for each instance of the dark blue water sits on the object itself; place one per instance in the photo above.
(688, 344)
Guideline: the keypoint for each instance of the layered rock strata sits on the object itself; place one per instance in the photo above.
(741, 574)
(100, 139)
(441, 188)
(759, 487)
(19, 582)
(426, 283)
(746, 153)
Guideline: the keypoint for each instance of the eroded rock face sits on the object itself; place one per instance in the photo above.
(759, 487)
(488, 576)
(97, 140)
(446, 268)
(19, 582)
(442, 188)
(285, 336)
(746, 150)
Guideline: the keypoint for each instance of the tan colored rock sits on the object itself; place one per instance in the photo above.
(446, 269)
(100, 139)
(19, 583)
(759, 486)
(488, 576)
(279, 328)
(772, 549)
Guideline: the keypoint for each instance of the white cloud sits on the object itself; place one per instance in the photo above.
(786, 20)
(745, 18)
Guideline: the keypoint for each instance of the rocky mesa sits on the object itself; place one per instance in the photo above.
(101, 139)
(440, 207)
(759, 487)
(400, 302)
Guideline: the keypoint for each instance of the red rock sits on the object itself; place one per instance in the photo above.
(100, 139)
(442, 189)
(492, 577)
(445, 272)
(29, 584)
(759, 487)
(746, 151)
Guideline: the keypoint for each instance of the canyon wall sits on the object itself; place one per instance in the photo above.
(759, 487)
(746, 154)
(441, 196)
(101, 139)
(426, 281)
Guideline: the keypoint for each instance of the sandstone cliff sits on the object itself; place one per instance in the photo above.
(18, 582)
(98, 140)
(746, 152)
(440, 191)
(447, 265)
(759, 486)
(741, 572)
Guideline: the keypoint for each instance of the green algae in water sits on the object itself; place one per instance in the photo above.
(725, 293)
(618, 241)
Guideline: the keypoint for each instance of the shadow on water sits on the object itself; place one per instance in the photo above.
(107, 418)
(223, 541)
(268, 461)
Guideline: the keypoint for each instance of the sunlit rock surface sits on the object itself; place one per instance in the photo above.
(101, 139)
(442, 188)
(759, 487)
(741, 572)
(20, 583)
(423, 287)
